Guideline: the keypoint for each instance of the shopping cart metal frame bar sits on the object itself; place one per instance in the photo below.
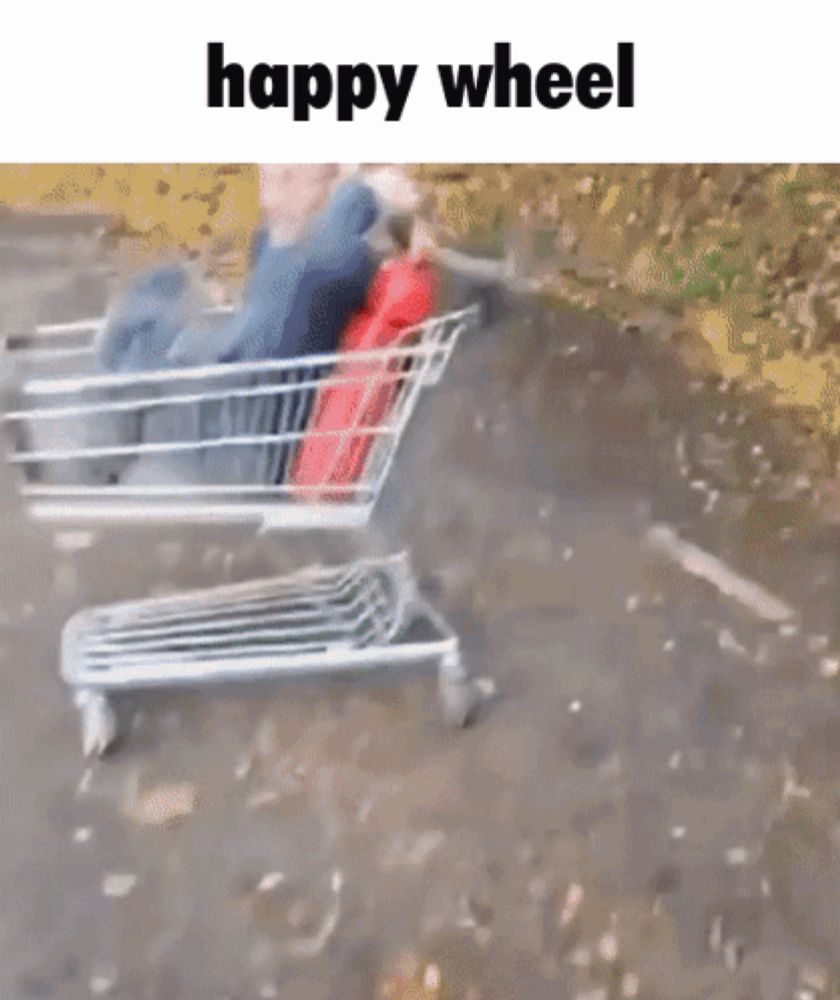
(95, 684)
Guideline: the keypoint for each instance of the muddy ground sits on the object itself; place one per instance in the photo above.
(647, 807)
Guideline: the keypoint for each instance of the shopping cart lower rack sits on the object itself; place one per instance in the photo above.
(217, 443)
(321, 620)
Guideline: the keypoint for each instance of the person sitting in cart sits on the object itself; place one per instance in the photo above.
(313, 262)
(311, 266)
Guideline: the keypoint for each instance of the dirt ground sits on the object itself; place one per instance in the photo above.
(646, 808)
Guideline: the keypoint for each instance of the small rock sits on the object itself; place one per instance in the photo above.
(571, 904)
(164, 804)
(829, 666)
(485, 686)
(791, 789)
(117, 885)
(270, 881)
(608, 947)
(733, 954)
(630, 985)
(100, 984)
(736, 856)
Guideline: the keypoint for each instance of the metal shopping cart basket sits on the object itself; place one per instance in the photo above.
(220, 444)
(354, 617)
(215, 443)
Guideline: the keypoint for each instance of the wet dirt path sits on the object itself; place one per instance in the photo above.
(647, 807)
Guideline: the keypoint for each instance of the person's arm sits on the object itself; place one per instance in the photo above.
(482, 270)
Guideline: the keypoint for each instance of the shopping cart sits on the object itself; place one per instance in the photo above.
(213, 443)
(220, 444)
(355, 617)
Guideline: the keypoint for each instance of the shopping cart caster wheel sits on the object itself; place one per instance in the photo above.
(458, 694)
(459, 703)
(99, 722)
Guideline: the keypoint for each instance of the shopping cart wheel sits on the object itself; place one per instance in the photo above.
(457, 692)
(99, 722)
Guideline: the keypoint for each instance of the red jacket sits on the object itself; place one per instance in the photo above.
(402, 294)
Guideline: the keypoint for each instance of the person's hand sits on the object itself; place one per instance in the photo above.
(423, 238)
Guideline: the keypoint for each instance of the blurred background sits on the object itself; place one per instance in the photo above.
(648, 806)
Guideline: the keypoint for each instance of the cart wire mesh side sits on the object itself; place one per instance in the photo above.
(217, 443)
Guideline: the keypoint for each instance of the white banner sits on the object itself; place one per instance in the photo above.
(131, 81)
